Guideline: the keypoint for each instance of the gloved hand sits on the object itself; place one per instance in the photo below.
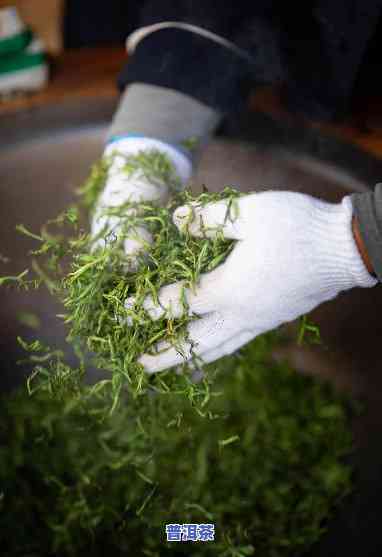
(293, 252)
(138, 185)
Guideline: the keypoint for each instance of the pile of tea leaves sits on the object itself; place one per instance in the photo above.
(88, 469)
(267, 471)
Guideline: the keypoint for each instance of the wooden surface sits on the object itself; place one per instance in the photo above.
(92, 72)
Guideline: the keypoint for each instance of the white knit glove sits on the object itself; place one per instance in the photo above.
(121, 188)
(293, 252)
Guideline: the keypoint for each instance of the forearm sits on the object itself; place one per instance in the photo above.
(182, 75)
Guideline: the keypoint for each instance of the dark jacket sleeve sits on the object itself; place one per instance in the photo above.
(191, 64)
(368, 212)
(316, 50)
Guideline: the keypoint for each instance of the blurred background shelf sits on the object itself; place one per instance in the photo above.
(87, 72)
(92, 72)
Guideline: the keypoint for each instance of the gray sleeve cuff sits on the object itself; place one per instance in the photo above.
(367, 209)
(164, 114)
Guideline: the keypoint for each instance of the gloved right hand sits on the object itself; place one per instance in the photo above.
(292, 253)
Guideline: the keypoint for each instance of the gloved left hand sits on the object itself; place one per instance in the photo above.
(136, 186)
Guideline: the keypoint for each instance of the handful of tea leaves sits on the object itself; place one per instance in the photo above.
(93, 284)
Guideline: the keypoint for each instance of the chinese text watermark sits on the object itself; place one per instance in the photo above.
(190, 532)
